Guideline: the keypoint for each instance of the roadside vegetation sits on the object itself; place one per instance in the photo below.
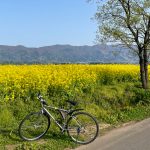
(112, 93)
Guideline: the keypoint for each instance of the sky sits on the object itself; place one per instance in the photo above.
(36, 23)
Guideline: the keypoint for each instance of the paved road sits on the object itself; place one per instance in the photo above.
(132, 137)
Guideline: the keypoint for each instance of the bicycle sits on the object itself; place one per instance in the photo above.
(80, 126)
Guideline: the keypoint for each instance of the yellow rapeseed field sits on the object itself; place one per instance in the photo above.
(21, 80)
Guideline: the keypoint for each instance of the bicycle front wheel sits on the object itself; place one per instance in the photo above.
(82, 128)
(34, 126)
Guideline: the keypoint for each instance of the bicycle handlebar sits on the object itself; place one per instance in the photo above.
(43, 102)
(40, 97)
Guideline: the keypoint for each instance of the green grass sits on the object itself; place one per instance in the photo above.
(114, 104)
(51, 141)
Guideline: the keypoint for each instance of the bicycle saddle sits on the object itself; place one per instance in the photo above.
(72, 102)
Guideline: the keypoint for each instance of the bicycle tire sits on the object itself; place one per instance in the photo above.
(82, 128)
(34, 126)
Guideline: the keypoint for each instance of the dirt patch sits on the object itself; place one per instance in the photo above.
(10, 147)
(104, 126)
(13, 147)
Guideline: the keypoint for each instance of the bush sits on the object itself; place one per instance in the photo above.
(141, 96)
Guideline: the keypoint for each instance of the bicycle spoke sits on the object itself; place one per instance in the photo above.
(34, 126)
(82, 128)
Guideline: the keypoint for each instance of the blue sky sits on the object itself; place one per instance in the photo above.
(35, 23)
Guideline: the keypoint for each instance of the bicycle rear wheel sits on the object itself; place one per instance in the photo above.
(82, 128)
(34, 126)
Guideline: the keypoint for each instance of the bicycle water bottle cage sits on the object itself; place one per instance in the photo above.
(72, 102)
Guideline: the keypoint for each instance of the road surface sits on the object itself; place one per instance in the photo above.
(133, 137)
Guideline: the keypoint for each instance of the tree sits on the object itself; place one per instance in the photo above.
(127, 22)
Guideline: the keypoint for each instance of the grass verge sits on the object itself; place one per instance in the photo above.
(113, 104)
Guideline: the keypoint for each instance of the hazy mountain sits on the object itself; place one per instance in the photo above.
(66, 54)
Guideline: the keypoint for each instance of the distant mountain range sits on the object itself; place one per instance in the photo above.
(66, 54)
